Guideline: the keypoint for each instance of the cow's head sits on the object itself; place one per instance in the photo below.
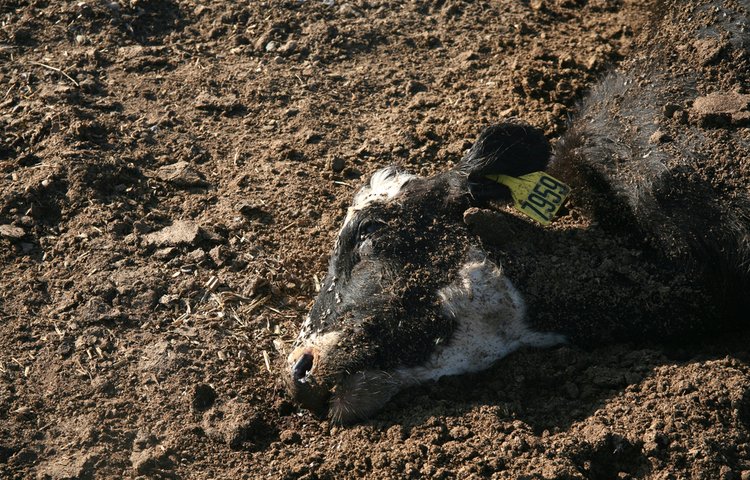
(409, 295)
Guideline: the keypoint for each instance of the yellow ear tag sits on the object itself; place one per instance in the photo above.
(536, 194)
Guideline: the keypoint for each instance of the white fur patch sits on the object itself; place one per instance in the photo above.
(384, 184)
(491, 323)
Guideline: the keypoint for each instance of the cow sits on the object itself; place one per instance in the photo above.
(441, 275)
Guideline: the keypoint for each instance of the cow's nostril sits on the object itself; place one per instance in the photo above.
(303, 365)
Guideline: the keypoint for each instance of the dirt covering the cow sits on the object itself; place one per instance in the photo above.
(173, 174)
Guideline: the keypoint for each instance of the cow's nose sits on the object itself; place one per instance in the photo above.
(302, 365)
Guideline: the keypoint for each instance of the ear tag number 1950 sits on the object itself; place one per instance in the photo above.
(536, 194)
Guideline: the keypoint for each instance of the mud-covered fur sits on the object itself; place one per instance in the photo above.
(425, 281)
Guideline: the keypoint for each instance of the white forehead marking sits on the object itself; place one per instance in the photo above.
(491, 323)
(384, 184)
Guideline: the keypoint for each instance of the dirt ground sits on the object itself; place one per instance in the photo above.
(172, 176)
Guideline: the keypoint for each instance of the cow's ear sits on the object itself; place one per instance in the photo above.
(511, 148)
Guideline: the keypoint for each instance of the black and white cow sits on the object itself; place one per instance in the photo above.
(426, 281)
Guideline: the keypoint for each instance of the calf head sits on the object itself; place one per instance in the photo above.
(409, 295)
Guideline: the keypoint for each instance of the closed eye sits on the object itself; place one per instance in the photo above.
(367, 228)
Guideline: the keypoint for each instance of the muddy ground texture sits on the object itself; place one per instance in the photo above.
(172, 175)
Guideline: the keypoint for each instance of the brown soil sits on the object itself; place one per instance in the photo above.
(173, 174)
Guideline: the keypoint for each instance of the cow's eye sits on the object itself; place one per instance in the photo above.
(367, 228)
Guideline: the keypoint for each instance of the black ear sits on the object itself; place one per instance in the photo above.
(511, 148)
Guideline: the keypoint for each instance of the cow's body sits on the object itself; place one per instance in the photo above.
(426, 281)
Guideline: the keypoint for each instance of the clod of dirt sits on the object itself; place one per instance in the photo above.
(203, 397)
(337, 164)
(290, 437)
(181, 232)
(68, 468)
(181, 174)
(9, 231)
(709, 50)
(239, 426)
(212, 103)
(670, 109)
(150, 459)
(659, 137)
(721, 108)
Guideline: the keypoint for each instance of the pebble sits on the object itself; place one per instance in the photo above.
(147, 461)
(659, 137)
(290, 437)
(181, 232)
(272, 46)
(140, 227)
(181, 174)
(196, 256)
(536, 4)
(10, 231)
(722, 108)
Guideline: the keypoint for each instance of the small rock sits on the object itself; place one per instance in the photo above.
(10, 231)
(89, 85)
(211, 103)
(219, 254)
(313, 138)
(592, 62)
(140, 227)
(165, 253)
(213, 234)
(249, 210)
(708, 50)
(196, 256)
(468, 56)
(181, 232)
(181, 174)
(288, 48)
(272, 46)
(721, 108)
(536, 4)
(61, 467)
(168, 299)
(236, 425)
(337, 164)
(349, 11)
(203, 397)
(745, 475)
(414, 87)
(460, 433)
(290, 437)
(659, 137)
(148, 460)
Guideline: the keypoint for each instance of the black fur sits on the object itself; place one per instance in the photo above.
(511, 148)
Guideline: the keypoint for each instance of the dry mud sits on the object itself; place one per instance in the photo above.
(172, 175)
